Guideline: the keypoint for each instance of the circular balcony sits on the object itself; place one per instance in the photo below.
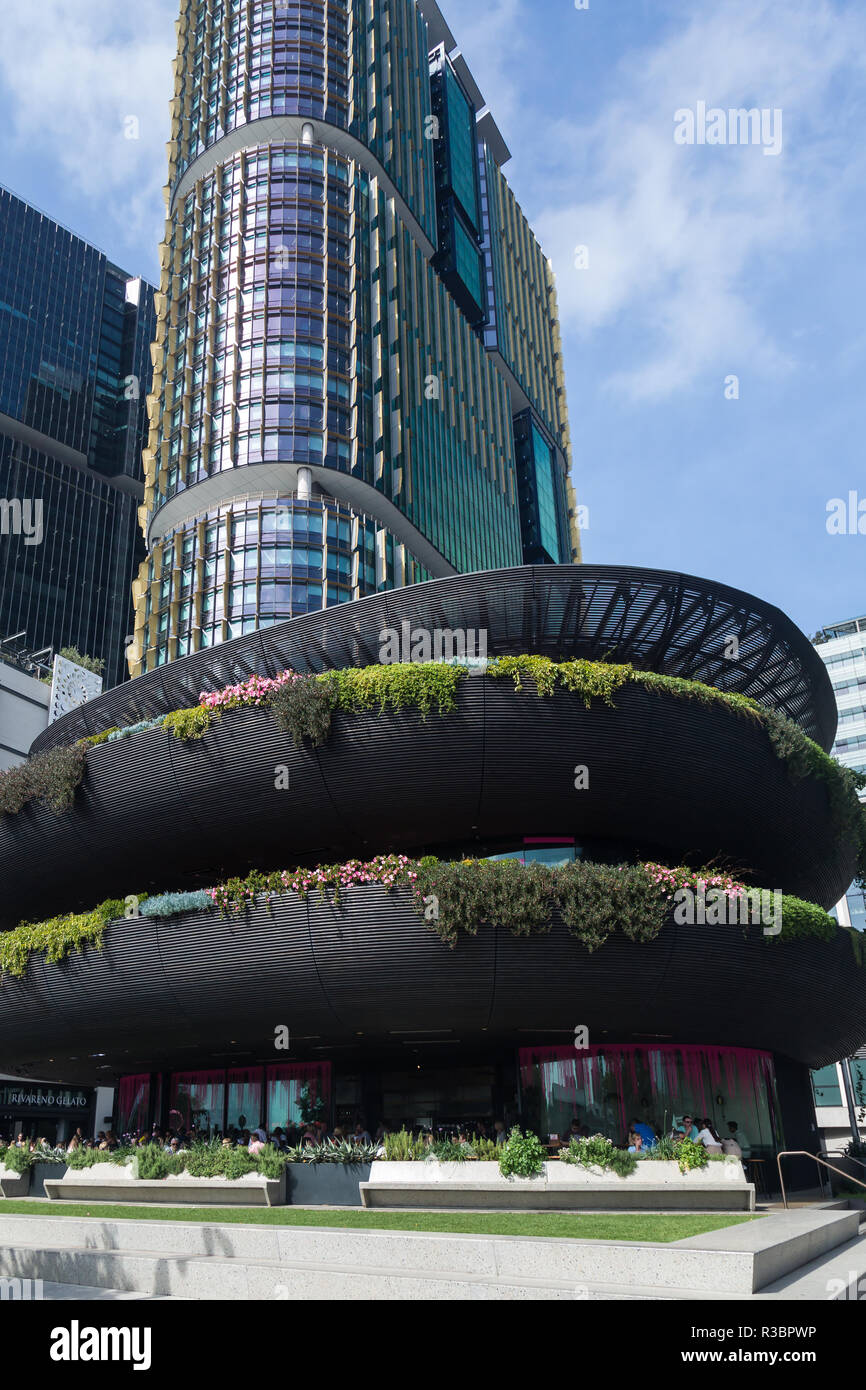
(675, 779)
(369, 976)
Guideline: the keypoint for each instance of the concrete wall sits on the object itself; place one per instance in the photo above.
(24, 705)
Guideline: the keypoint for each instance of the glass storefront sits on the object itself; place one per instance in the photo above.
(210, 1101)
(604, 1088)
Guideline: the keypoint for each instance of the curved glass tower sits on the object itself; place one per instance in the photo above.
(357, 368)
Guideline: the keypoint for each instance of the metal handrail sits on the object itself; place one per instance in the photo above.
(803, 1153)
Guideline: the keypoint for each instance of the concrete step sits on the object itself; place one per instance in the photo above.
(209, 1261)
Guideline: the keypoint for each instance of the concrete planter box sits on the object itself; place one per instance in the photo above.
(40, 1171)
(111, 1182)
(652, 1187)
(14, 1184)
(326, 1184)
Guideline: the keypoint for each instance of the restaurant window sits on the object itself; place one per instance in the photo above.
(197, 1101)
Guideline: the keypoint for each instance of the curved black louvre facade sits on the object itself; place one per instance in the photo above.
(656, 619)
(366, 984)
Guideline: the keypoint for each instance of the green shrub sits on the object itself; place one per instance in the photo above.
(190, 724)
(522, 1155)
(691, 1155)
(18, 1160)
(448, 1151)
(154, 1164)
(485, 1150)
(801, 919)
(305, 709)
(598, 1152)
(89, 663)
(402, 1148)
(87, 1158)
(50, 779)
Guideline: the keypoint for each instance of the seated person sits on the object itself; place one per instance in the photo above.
(708, 1137)
(737, 1137)
(635, 1143)
(646, 1132)
(689, 1128)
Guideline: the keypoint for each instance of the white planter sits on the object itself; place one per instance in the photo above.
(652, 1186)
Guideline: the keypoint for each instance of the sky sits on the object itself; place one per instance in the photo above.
(712, 295)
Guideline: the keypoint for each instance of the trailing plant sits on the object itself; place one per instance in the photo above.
(170, 904)
(596, 900)
(50, 779)
(421, 685)
(599, 1152)
(460, 897)
(305, 708)
(522, 1155)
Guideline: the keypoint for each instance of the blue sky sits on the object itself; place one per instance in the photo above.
(704, 261)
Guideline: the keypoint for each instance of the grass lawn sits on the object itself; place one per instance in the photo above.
(597, 1226)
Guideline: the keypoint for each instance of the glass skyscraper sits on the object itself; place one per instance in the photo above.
(357, 366)
(842, 648)
(75, 369)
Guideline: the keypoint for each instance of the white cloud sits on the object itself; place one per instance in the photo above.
(683, 242)
(72, 71)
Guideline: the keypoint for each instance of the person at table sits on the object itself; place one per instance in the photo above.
(646, 1132)
(635, 1143)
(739, 1137)
(689, 1128)
(708, 1137)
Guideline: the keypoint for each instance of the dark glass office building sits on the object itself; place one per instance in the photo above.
(75, 335)
(358, 371)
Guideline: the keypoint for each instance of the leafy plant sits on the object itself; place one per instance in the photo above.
(305, 709)
(50, 779)
(18, 1160)
(690, 1155)
(485, 1150)
(170, 904)
(599, 1152)
(89, 663)
(190, 724)
(401, 1147)
(522, 1155)
(154, 1164)
(87, 1158)
(448, 1151)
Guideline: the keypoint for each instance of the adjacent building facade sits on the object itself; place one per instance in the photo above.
(357, 367)
(74, 375)
(842, 648)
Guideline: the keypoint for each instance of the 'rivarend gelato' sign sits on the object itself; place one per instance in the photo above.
(45, 1097)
